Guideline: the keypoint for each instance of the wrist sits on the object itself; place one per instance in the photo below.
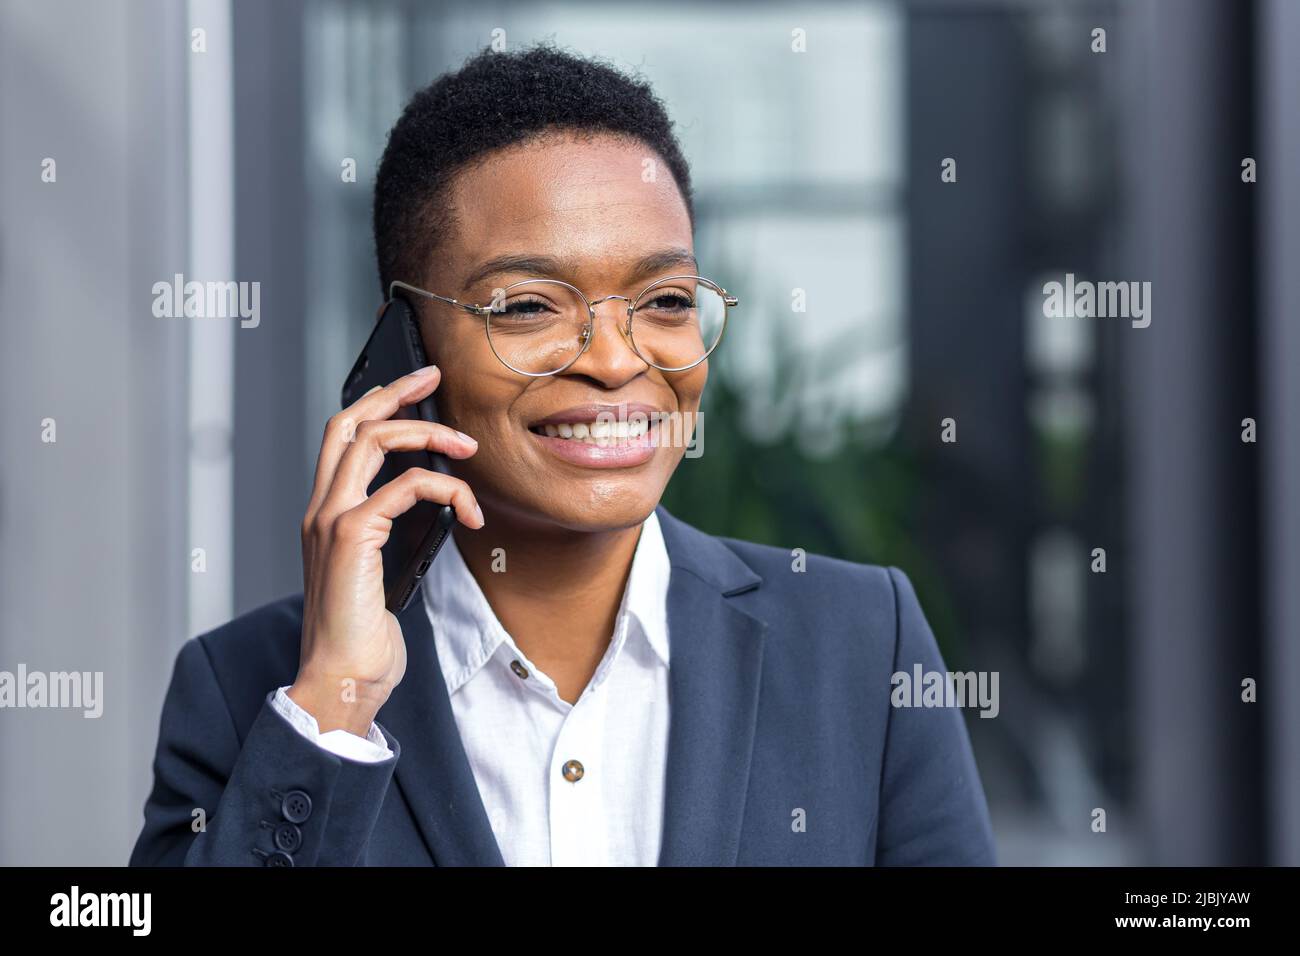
(335, 708)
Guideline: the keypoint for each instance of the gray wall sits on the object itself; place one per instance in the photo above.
(93, 561)
(1278, 76)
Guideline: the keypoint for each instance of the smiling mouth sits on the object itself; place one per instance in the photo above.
(596, 432)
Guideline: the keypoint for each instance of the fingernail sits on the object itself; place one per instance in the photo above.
(426, 371)
(467, 438)
(478, 513)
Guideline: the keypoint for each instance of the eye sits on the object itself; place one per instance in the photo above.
(668, 300)
(526, 308)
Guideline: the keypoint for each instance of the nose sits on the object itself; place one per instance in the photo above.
(603, 358)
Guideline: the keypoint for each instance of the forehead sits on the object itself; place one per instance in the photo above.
(600, 200)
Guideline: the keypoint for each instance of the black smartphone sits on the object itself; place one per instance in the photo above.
(393, 350)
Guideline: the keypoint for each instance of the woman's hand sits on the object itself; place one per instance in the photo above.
(353, 654)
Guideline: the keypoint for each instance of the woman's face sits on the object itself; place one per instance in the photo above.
(587, 207)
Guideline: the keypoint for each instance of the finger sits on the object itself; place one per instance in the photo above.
(375, 439)
(419, 484)
(378, 403)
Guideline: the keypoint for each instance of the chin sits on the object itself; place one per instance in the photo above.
(612, 506)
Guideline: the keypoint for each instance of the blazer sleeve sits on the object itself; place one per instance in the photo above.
(932, 806)
(274, 798)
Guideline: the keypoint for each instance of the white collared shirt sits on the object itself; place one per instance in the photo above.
(521, 737)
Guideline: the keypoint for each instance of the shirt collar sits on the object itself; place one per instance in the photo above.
(466, 631)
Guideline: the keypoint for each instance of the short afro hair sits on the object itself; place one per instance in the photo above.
(496, 100)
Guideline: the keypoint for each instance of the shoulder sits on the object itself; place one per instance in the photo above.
(790, 572)
(815, 607)
(247, 657)
(779, 567)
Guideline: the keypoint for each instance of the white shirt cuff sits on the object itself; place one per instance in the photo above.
(371, 748)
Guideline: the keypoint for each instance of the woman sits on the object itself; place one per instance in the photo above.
(584, 679)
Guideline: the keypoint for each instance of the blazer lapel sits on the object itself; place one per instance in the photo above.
(434, 772)
(716, 653)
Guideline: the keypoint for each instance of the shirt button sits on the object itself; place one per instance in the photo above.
(573, 771)
(519, 669)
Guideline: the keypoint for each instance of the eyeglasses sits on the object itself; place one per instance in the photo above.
(540, 327)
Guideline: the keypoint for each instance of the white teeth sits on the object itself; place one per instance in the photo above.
(602, 433)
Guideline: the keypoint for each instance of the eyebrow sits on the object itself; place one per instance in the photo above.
(549, 267)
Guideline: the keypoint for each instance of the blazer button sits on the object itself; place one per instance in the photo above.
(573, 771)
(288, 837)
(278, 859)
(520, 670)
(296, 806)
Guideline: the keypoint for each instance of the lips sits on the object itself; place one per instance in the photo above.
(600, 436)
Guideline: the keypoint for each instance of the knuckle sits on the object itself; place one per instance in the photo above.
(425, 480)
(349, 525)
(324, 523)
(340, 427)
(410, 479)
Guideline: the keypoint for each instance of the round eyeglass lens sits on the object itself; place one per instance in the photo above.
(678, 321)
(536, 327)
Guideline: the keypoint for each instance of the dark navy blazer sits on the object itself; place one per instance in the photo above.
(783, 746)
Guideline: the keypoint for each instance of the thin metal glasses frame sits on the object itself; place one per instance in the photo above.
(485, 312)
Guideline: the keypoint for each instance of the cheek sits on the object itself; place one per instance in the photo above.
(480, 412)
(496, 470)
(688, 390)
(469, 389)
(689, 387)
(476, 397)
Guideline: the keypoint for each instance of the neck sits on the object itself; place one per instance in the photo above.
(554, 590)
